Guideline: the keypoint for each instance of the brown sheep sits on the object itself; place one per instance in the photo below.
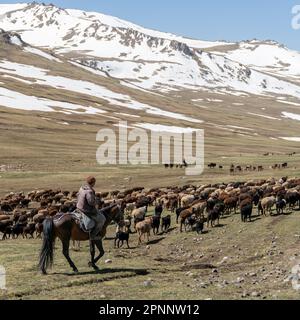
(144, 228)
(267, 204)
(185, 214)
(231, 204)
(138, 215)
(187, 200)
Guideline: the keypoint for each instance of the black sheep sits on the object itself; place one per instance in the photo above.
(17, 229)
(155, 224)
(199, 226)
(246, 212)
(166, 223)
(29, 229)
(280, 206)
(121, 237)
(158, 210)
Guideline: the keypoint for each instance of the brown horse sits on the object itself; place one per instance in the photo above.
(66, 228)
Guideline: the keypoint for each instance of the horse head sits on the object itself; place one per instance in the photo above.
(117, 214)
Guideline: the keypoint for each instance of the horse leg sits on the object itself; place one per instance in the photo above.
(99, 245)
(66, 245)
(92, 263)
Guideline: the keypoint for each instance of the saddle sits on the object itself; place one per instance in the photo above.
(85, 223)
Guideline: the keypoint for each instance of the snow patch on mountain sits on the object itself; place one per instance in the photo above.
(41, 77)
(16, 100)
(42, 54)
(163, 128)
(270, 57)
(293, 116)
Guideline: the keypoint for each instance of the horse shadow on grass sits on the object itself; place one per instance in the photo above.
(138, 272)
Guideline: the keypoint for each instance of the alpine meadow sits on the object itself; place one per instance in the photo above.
(76, 85)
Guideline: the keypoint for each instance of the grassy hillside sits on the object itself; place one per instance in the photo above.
(233, 261)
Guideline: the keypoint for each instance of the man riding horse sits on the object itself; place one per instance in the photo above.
(86, 203)
(66, 228)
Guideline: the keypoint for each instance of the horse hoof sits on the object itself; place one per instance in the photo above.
(95, 267)
(92, 265)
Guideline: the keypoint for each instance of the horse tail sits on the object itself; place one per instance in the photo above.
(46, 254)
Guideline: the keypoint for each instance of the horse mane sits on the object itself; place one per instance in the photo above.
(105, 211)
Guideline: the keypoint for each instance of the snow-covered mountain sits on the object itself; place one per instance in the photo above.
(268, 56)
(151, 59)
(70, 71)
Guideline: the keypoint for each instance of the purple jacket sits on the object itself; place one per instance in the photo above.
(86, 201)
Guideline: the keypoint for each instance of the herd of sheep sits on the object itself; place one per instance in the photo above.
(195, 206)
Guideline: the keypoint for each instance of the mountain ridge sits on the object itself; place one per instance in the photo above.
(148, 81)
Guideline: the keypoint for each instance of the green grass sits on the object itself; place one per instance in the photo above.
(166, 262)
